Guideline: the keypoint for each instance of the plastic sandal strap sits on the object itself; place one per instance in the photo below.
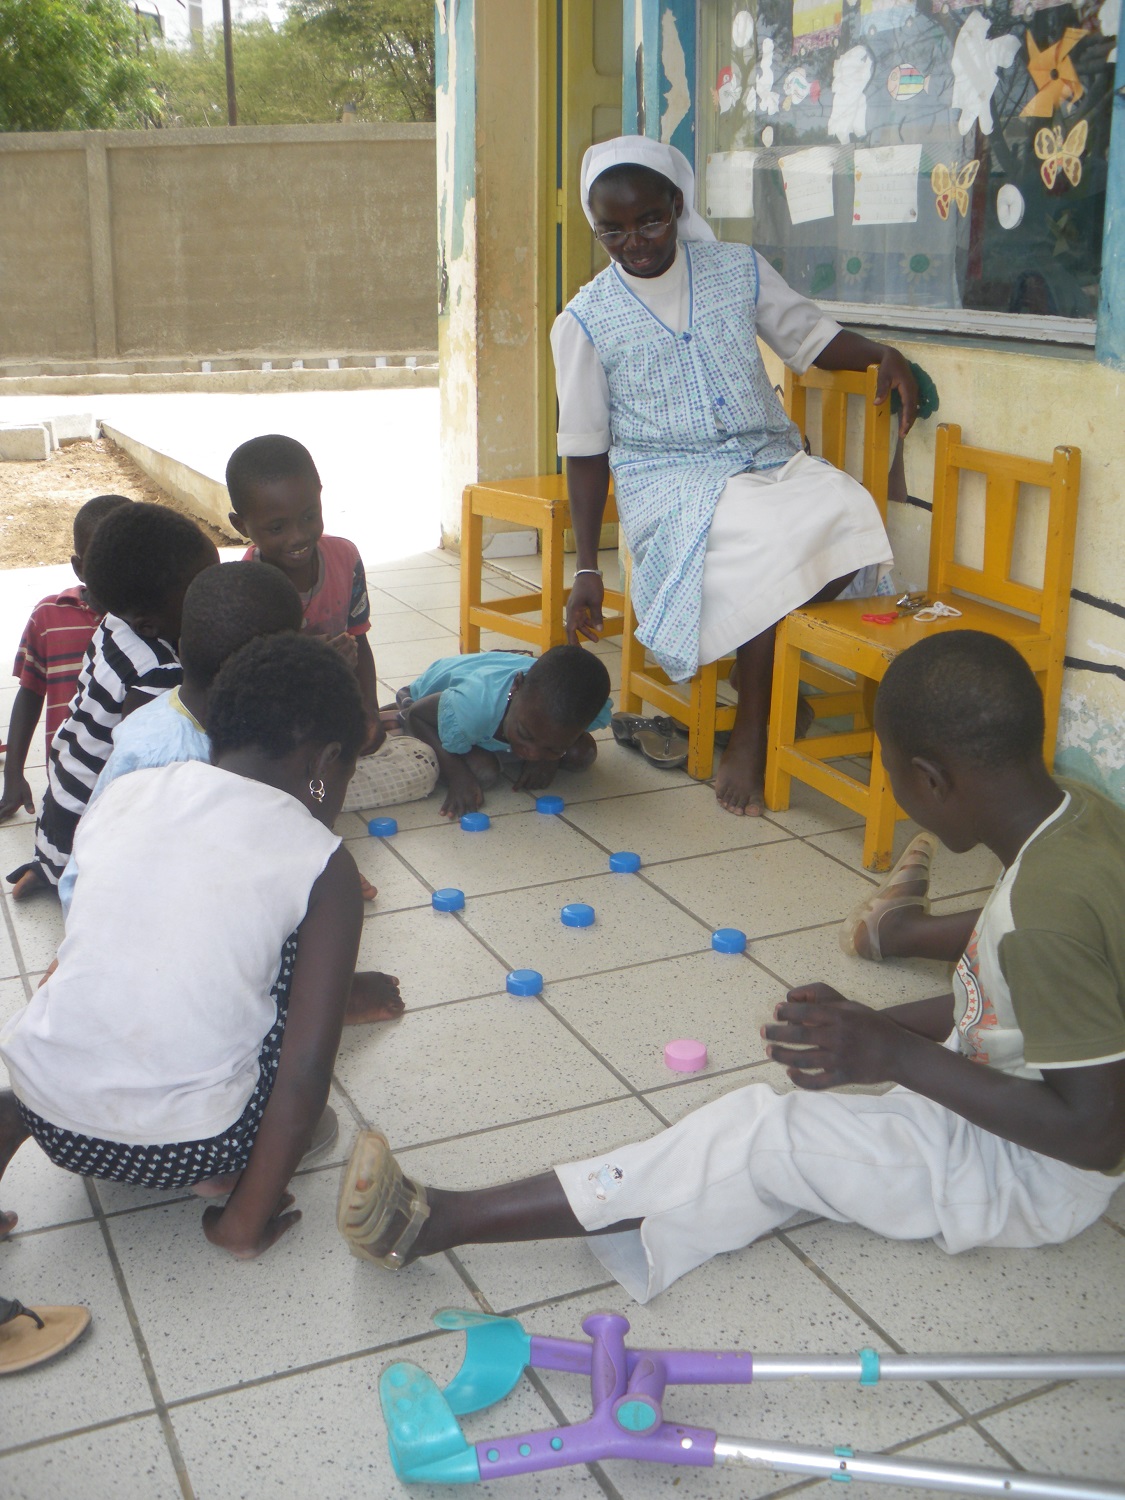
(13, 1309)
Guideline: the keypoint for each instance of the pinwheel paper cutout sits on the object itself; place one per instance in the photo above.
(1053, 74)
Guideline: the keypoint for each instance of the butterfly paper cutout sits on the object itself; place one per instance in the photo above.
(1055, 153)
(952, 187)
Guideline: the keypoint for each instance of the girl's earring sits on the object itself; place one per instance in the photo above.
(316, 789)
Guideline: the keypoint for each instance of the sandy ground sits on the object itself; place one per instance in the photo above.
(38, 500)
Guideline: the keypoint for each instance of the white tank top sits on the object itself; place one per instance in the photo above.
(189, 880)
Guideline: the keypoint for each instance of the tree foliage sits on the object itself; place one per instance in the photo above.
(73, 65)
(328, 57)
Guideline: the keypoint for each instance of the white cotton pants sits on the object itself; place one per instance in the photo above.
(776, 539)
(896, 1163)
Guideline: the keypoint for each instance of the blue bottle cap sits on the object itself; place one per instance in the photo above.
(624, 863)
(577, 914)
(549, 804)
(382, 828)
(475, 822)
(449, 898)
(525, 982)
(728, 940)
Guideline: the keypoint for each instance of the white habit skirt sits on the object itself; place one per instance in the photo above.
(776, 539)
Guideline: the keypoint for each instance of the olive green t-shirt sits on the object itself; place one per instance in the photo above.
(1042, 982)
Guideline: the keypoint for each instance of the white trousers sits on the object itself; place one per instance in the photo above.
(776, 539)
(896, 1163)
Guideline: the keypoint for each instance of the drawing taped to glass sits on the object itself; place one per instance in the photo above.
(1004, 105)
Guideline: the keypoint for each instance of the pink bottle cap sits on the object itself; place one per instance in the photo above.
(685, 1056)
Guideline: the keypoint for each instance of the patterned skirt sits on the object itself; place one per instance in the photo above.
(180, 1164)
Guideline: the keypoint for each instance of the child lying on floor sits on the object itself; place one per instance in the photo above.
(470, 709)
(187, 1036)
(138, 566)
(1008, 1123)
(224, 609)
(274, 490)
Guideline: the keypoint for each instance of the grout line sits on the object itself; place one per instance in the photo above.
(73, 1432)
(170, 1438)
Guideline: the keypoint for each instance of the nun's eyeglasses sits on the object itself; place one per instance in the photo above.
(613, 239)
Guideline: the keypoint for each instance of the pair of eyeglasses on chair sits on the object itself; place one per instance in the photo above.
(612, 239)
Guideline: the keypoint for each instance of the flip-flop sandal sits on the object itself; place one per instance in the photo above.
(664, 746)
(30, 1336)
(913, 866)
(382, 1219)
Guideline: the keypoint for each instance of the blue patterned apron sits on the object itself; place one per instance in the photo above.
(687, 411)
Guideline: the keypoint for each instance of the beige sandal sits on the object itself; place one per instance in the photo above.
(913, 866)
(30, 1336)
(380, 1212)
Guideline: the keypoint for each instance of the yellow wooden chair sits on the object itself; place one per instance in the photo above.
(1033, 618)
(538, 502)
(696, 703)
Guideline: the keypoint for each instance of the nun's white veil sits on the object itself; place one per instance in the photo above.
(640, 151)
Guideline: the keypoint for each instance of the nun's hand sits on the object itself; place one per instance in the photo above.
(895, 374)
(584, 608)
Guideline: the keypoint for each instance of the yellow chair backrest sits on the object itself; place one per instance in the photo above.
(835, 386)
(1004, 474)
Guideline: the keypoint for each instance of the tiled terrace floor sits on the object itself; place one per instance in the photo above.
(205, 1377)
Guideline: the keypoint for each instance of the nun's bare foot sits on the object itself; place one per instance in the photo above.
(374, 997)
(740, 780)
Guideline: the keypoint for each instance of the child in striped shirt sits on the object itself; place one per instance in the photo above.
(49, 659)
(138, 566)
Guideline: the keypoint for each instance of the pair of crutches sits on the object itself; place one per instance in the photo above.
(627, 1388)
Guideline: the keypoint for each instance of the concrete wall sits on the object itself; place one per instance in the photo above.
(278, 240)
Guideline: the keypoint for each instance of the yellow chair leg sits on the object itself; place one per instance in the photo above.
(632, 657)
(879, 833)
(701, 722)
(472, 566)
(783, 718)
(552, 615)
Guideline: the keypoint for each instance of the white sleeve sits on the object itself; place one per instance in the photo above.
(582, 388)
(793, 326)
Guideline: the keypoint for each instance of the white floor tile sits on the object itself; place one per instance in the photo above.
(397, 887)
(633, 924)
(806, 957)
(952, 873)
(513, 853)
(38, 926)
(101, 1377)
(41, 1193)
(409, 659)
(410, 625)
(131, 1457)
(769, 889)
(453, 1068)
(672, 824)
(212, 1321)
(435, 957)
(719, 999)
(1078, 1430)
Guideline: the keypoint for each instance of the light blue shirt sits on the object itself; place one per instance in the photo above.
(474, 698)
(159, 733)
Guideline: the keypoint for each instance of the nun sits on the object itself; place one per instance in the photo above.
(729, 523)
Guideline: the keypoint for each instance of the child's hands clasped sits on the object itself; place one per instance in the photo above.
(827, 1040)
(345, 645)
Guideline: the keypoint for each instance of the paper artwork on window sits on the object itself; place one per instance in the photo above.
(806, 177)
(1057, 154)
(1010, 206)
(886, 185)
(730, 185)
(768, 99)
(977, 60)
(906, 82)
(851, 74)
(816, 23)
(1053, 74)
(951, 186)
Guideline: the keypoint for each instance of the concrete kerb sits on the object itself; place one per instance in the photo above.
(205, 497)
(224, 382)
(26, 443)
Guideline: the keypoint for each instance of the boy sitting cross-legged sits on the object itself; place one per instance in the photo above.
(138, 566)
(52, 650)
(274, 490)
(224, 609)
(470, 709)
(1007, 1127)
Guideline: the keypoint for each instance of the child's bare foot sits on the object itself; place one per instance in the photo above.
(367, 890)
(217, 1187)
(13, 1133)
(878, 926)
(740, 780)
(7, 1223)
(374, 997)
(28, 880)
